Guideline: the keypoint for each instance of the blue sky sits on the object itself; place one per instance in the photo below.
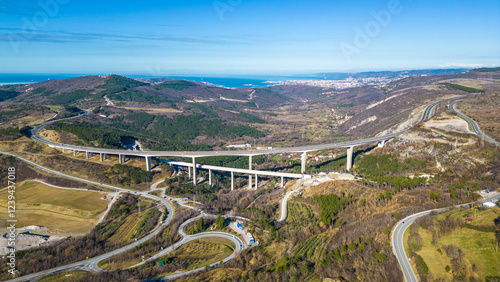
(237, 37)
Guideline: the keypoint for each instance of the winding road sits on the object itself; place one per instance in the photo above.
(91, 264)
(473, 124)
(397, 237)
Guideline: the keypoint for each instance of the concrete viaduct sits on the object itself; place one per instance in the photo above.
(194, 166)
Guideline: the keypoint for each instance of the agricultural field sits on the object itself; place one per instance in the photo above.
(470, 250)
(300, 213)
(132, 226)
(63, 211)
(201, 252)
(147, 250)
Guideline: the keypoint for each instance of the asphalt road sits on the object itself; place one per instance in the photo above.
(91, 264)
(474, 125)
(35, 136)
(398, 247)
(284, 201)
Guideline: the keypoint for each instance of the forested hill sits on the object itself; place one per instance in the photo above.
(89, 91)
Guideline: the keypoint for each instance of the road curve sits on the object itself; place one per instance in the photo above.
(239, 246)
(92, 263)
(397, 237)
(284, 201)
(35, 136)
(474, 125)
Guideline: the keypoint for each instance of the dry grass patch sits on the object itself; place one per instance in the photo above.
(61, 210)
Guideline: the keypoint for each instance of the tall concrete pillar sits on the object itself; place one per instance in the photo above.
(101, 156)
(210, 177)
(64, 150)
(120, 158)
(303, 162)
(87, 155)
(148, 163)
(256, 182)
(74, 153)
(189, 171)
(381, 144)
(232, 180)
(194, 171)
(250, 176)
(105, 156)
(282, 183)
(349, 158)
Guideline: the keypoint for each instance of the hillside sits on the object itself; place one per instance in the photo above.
(154, 110)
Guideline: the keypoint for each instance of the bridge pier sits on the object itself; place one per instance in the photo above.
(256, 181)
(189, 171)
(101, 157)
(381, 144)
(210, 177)
(121, 158)
(282, 182)
(232, 180)
(349, 157)
(148, 163)
(303, 162)
(250, 168)
(87, 155)
(64, 150)
(74, 153)
(194, 171)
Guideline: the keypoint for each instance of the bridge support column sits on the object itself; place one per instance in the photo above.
(194, 171)
(189, 171)
(256, 181)
(120, 158)
(349, 158)
(105, 156)
(250, 176)
(282, 183)
(148, 163)
(64, 150)
(87, 155)
(232, 180)
(101, 157)
(303, 162)
(74, 153)
(381, 144)
(210, 177)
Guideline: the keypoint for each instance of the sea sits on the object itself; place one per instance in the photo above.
(229, 82)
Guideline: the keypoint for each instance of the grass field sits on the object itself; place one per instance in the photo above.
(61, 210)
(74, 275)
(478, 247)
(127, 231)
(201, 252)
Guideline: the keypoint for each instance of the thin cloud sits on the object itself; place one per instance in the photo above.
(63, 36)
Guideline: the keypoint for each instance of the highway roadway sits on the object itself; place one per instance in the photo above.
(310, 148)
(473, 124)
(399, 229)
(35, 136)
(91, 264)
